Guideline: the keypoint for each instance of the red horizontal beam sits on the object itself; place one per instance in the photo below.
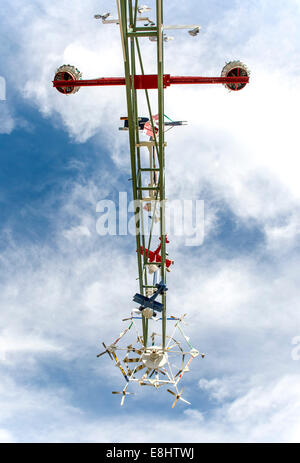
(150, 81)
(208, 80)
(89, 83)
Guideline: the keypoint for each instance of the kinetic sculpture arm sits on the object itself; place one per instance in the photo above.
(143, 82)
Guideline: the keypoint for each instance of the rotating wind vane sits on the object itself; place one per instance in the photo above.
(155, 359)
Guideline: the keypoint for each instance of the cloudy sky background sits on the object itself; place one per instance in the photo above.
(64, 288)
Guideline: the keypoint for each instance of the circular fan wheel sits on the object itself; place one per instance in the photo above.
(235, 69)
(67, 72)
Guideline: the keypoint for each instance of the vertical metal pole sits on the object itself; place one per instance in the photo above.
(132, 19)
(132, 142)
(121, 30)
(160, 72)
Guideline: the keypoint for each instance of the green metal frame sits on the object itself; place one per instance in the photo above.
(130, 35)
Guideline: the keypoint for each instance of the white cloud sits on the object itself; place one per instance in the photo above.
(222, 389)
(77, 232)
(239, 148)
(265, 413)
(7, 123)
(74, 39)
(60, 308)
(249, 161)
(243, 146)
(5, 437)
(12, 342)
(269, 411)
(282, 235)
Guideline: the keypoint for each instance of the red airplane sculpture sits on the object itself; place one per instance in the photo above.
(154, 256)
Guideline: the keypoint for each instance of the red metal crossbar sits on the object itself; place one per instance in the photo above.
(150, 81)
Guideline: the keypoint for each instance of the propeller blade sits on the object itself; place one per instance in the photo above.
(175, 402)
(138, 351)
(178, 396)
(106, 351)
(140, 367)
(171, 347)
(132, 360)
(183, 400)
(130, 348)
(146, 373)
(152, 337)
(124, 392)
(140, 340)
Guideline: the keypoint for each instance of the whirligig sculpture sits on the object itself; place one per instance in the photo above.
(155, 353)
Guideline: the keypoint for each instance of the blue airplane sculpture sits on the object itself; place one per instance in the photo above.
(150, 301)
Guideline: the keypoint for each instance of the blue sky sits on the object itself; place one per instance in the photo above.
(65, 289)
